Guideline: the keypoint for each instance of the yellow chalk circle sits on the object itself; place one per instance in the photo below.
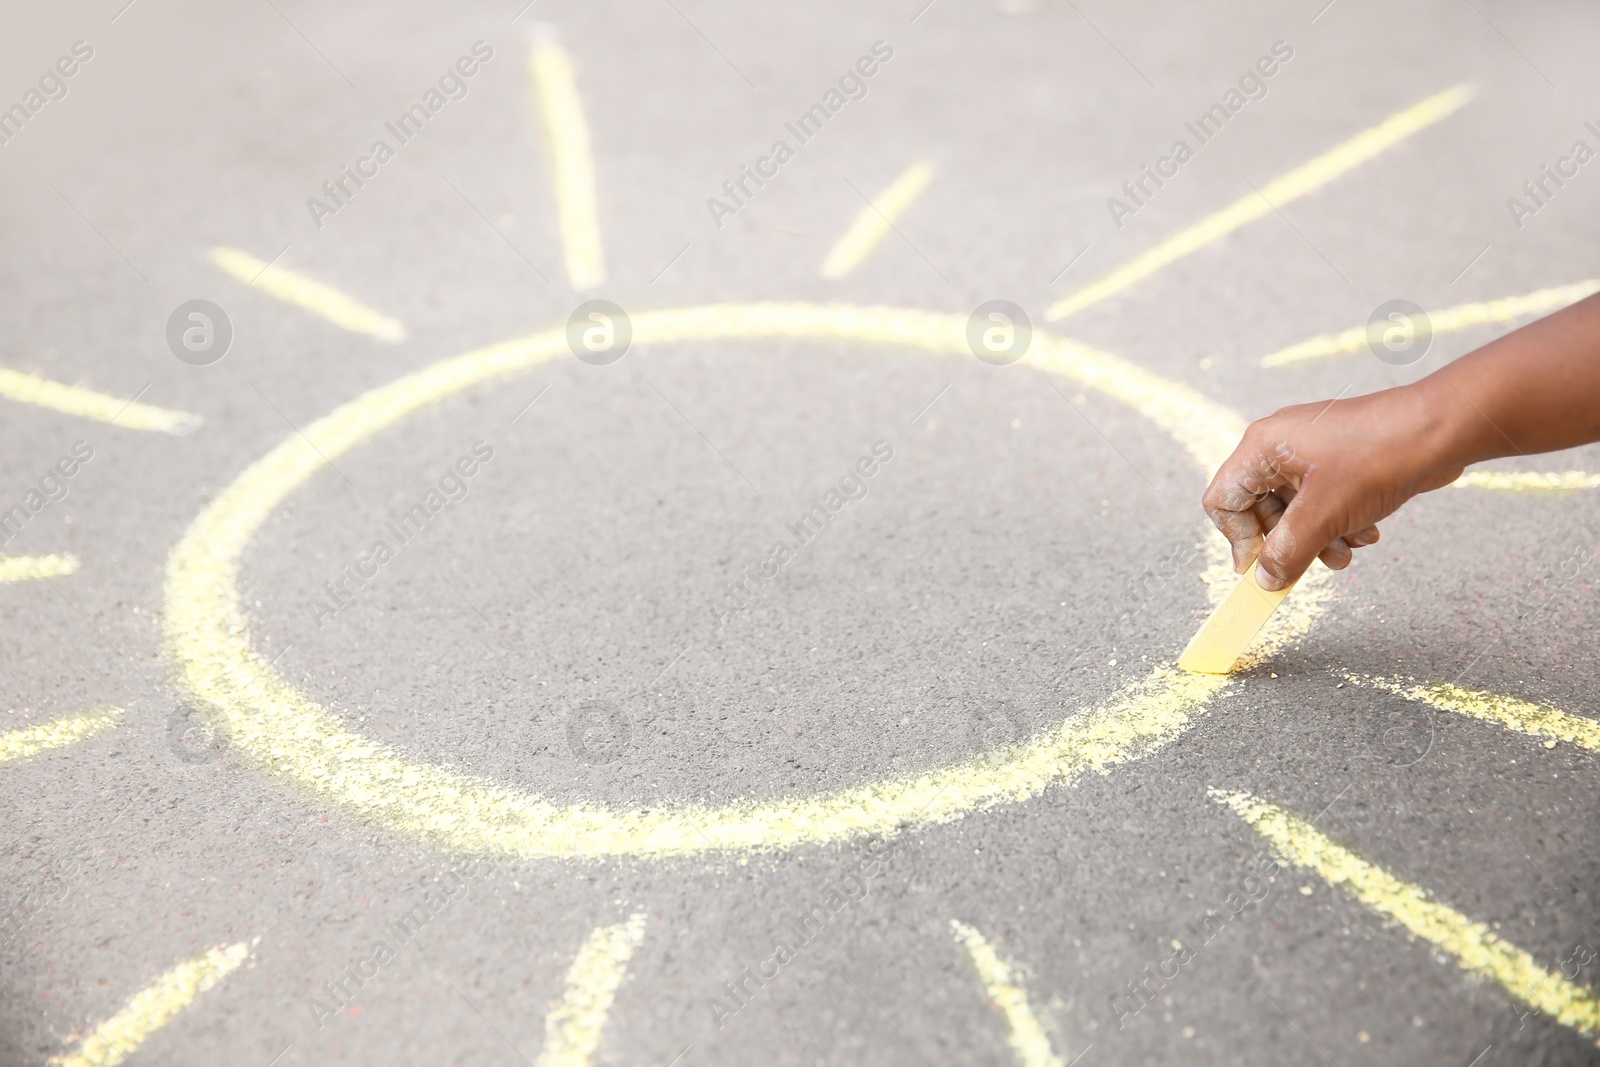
(1304, 179)
(153, 1007)
(574, 1026)
(875, 221)
(566, 143)
(57, 733)
(88, 404)
(1476, 948)
(1450, 320)
(32, 568)
(1528, 481)
(297, 740)
(307, 294)
(1536, 720)
(1025, 1034)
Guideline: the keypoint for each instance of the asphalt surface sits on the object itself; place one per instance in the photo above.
(968, 600)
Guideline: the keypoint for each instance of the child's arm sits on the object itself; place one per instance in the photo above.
(1314, 479)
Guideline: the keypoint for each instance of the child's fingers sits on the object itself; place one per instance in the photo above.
(1300, 535)
(1269, 509)
(1246, 545)
(1337, 555)
(1249, 474)
(1241, 504)
(1362, 538)
(1243, 531)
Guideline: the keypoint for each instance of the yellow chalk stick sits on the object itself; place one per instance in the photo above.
(1231, 628)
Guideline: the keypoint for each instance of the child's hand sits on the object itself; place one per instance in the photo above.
(1313, 480)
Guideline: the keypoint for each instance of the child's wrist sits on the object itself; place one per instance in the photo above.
(1451, 432)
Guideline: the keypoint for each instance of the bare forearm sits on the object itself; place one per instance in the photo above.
(1534, 390)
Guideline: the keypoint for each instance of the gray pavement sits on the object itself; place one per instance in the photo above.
(970, 599)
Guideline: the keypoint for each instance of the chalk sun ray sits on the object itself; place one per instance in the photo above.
(574, 1027)
(1556, 483)
(566, 141)
(36, 568)
(1448, 320)
(1299, 182)
(89, 404)
(1513, 713)
(1024, 1033)
(115, 1039)
(1477, 949)
(876, 221)
(28, 741)
(308, 294)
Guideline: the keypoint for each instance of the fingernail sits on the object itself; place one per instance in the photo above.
(1268, 581)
